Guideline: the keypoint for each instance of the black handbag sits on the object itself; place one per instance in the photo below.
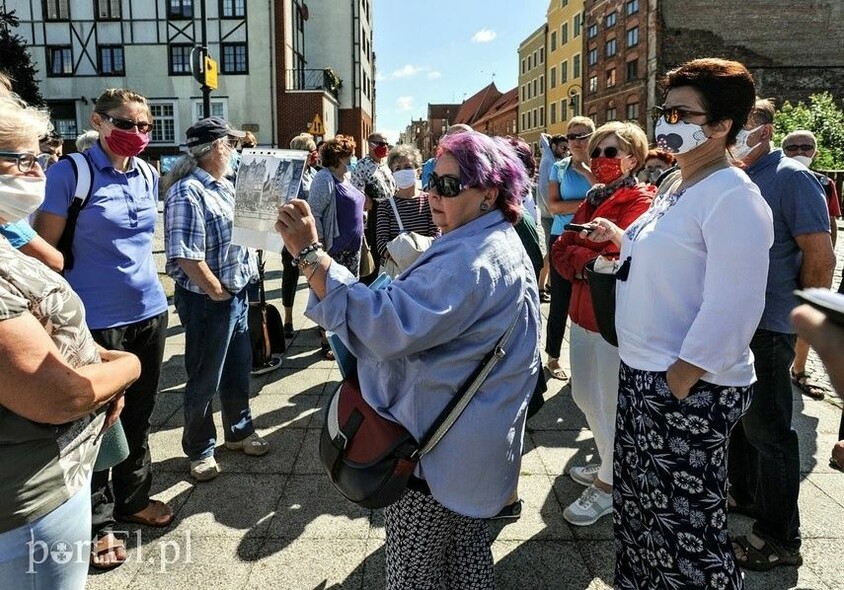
(370, 458)
(602, 289)
(266, 330)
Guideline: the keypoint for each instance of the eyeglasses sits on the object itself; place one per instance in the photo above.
(26, 161)
(578, 136)
(609, 152)
(378, 143)
(127, 124)
(803, 147)
(674, 115)
(445, 186)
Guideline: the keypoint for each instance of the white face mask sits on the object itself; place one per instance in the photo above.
(805, 160)
(405, 178)
(20, 196)
(741, 150)
(679, 138)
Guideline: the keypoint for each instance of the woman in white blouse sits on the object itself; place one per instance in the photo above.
(690, 292)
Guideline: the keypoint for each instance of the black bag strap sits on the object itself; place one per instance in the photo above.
(262, 296)
(452, 411)
(83, 172)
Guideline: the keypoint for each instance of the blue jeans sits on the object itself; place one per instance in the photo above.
(764, 451)
(52, 551)
(218, 356)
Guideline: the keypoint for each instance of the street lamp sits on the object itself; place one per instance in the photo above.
(574, 92)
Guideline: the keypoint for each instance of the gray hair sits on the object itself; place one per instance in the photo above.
(303, 141)
(188, 162)
(87, 139)
(21, 123)
(800, 133)
(404, 150)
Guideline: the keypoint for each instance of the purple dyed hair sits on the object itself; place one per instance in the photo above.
(485, 163)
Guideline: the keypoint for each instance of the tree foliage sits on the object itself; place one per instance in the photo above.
(823, 116)
(15, 60)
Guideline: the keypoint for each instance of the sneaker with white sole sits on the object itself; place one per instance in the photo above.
(204, 469)
(271, 365)
(252, 445)
(585, 475)
(589, 507)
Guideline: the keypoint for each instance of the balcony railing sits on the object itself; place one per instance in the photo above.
(325, 79)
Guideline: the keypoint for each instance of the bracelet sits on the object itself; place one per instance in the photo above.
(316, 266)
(305, 251)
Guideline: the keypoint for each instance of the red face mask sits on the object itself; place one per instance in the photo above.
(126, 143)
(606, 170)
(313, 158)
(380, 152)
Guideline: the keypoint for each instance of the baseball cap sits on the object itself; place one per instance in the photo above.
(210, 129)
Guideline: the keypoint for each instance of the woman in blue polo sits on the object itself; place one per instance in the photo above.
(114, 273)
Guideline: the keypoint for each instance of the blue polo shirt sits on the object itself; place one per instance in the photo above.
(798, 203)
(19, 233)
(114, 272)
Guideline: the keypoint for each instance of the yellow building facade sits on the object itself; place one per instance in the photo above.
(564, 63)
(531, 118)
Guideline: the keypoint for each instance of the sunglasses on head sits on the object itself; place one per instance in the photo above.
(674, 115)
(803, 147)
(577, 136)
(126, 124)
(609, 152)
(444, 186)
(26, 161)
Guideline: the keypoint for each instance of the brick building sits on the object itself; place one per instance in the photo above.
(500, 118)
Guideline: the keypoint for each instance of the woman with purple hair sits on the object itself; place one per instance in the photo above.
(421, 337)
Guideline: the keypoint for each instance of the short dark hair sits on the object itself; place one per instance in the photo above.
(726, 89)
(558, 138)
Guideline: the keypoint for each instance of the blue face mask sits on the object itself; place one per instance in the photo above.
(234, 161)
(353, 162)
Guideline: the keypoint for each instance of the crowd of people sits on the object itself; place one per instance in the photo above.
(689, 400)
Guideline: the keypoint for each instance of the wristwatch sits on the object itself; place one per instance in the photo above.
(311, 258)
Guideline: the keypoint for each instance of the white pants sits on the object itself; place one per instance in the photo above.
(594, 387)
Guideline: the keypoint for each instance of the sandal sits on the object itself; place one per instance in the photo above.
(556, 371)
(327, 353)
(804, 382)
(764, 558)
(106, 544)
(544, 296)
(162, 515)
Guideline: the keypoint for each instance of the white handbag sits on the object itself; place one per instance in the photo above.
(405, 248)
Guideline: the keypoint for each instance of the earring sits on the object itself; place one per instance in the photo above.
(484, 206)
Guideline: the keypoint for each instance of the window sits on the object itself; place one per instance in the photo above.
(535, 93)
(593, 84)
(535, 62)
(235, 58)
(530, 63)
(542, 116)
(524, 121)
(180, 59)
(633, 111)
(575, 67)
(611, 114)
(575, 105)
(541, 84)
(232, 8)
(523, 65)
(610, 77)
(564, 33)
(64, 118)
(553, 113)
(610, 20)
(592, 57)
(611, 48)
(219, 108)
(164, 115)
(179, 9)
(542, 55)
(60, 61)
(578, 21)
(56, 9)
(632, 7)
(564, 72)
(108, 10)
(565, 3)
(563, 111)
(632, 69)
(633, 37)
(111, 60)
(553, 81)
(592, 31)
(553, 40)
(534, 122)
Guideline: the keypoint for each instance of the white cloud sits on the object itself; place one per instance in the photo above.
(483, 36)
(404, 103)
(406, 71)
(434, 75)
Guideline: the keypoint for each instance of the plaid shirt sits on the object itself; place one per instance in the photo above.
(198, 219)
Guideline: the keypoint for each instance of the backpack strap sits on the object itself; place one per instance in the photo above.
(146, 171)
(83, 171)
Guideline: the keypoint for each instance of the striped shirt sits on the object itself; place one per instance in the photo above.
(198, 219)
(415, 216)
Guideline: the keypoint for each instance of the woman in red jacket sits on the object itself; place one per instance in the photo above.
(617, 150)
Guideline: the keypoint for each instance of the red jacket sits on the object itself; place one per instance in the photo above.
(570, 252)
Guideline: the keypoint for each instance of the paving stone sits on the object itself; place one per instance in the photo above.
(539, 564)
(309, 563)
(542, 516)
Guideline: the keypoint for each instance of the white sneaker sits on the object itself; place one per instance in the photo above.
(585, 475)
(589, 507)
(251, 445)
(204, 469)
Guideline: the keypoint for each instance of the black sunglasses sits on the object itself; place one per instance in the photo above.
(445, 186)
(127, 124)
(673, 115)
(577, 136)
(378, 143)
(26, 161)
(609, 152)
(804, 147)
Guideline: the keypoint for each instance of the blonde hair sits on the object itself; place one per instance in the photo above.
(5, 85)
(303, 141)
(21, 123)
(628, 133)
(581, 121)
(113, 98)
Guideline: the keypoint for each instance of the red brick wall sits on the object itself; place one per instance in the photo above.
(295, 112)
(358, 124)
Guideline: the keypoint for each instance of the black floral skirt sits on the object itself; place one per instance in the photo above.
(670, 483)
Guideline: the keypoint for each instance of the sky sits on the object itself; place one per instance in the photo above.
(444, 51)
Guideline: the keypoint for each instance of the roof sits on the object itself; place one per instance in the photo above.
(509, 101)
(442, 111)
(474, 107)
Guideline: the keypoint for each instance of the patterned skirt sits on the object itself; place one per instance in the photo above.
(670, 488)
